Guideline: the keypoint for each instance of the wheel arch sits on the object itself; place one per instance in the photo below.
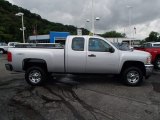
(138, 64)
(29, 62)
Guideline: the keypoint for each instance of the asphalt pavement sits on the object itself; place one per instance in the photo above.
(69, 97)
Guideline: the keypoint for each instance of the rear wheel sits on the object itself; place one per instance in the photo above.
(35, 75)
(157, 63)
(132, 76)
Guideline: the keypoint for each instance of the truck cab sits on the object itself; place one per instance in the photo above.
(91, 55)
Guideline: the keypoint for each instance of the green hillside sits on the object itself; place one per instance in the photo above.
(10, 24)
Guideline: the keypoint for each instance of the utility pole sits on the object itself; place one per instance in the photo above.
(23, 28)
(129, 20)
(93, 16)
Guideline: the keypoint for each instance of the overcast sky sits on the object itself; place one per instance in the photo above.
(114, 14)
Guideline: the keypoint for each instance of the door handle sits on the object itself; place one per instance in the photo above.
(92, 55)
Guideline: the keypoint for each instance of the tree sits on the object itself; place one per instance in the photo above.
(112, 34)
(153, 37)
(10, 24)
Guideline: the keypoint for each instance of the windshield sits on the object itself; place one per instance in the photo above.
(122, 46)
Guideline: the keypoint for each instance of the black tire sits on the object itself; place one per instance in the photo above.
(157, 63)
(132, 76)
(2, 51)
(35, 76)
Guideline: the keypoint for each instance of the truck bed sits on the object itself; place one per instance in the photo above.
(54, 57)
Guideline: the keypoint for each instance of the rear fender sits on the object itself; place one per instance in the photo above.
(34, 62)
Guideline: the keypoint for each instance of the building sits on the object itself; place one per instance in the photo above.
(131, 41)
(53, 37)
(39, 39)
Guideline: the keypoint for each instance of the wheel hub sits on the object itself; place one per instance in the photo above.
(133, 77)
(35, 76)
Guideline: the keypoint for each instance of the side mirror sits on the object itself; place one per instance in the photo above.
(111, 50)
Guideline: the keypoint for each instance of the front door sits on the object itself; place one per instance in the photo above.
(99, 57)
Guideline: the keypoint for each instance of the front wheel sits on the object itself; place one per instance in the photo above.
(35, 76)
(132, 76)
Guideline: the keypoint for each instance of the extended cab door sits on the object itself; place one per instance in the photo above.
(101, 57)
(75, 55)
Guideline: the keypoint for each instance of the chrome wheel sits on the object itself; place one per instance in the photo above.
(35, 76)
(133, 77)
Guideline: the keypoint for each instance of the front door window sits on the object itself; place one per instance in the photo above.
(98, 45)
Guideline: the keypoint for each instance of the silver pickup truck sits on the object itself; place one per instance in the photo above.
(81, 55)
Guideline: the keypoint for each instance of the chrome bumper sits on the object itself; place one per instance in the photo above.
(149, 70)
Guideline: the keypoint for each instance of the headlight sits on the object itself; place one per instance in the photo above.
(149, 59)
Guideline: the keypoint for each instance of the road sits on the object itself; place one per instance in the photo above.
(68, 97)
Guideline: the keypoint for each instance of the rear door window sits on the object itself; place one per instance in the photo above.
(78, 44)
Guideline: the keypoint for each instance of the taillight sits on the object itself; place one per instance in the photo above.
(9, 56)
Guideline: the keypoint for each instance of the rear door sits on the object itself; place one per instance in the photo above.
(76, 55)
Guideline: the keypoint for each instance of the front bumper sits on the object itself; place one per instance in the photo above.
(9, 67)
(149, 70)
